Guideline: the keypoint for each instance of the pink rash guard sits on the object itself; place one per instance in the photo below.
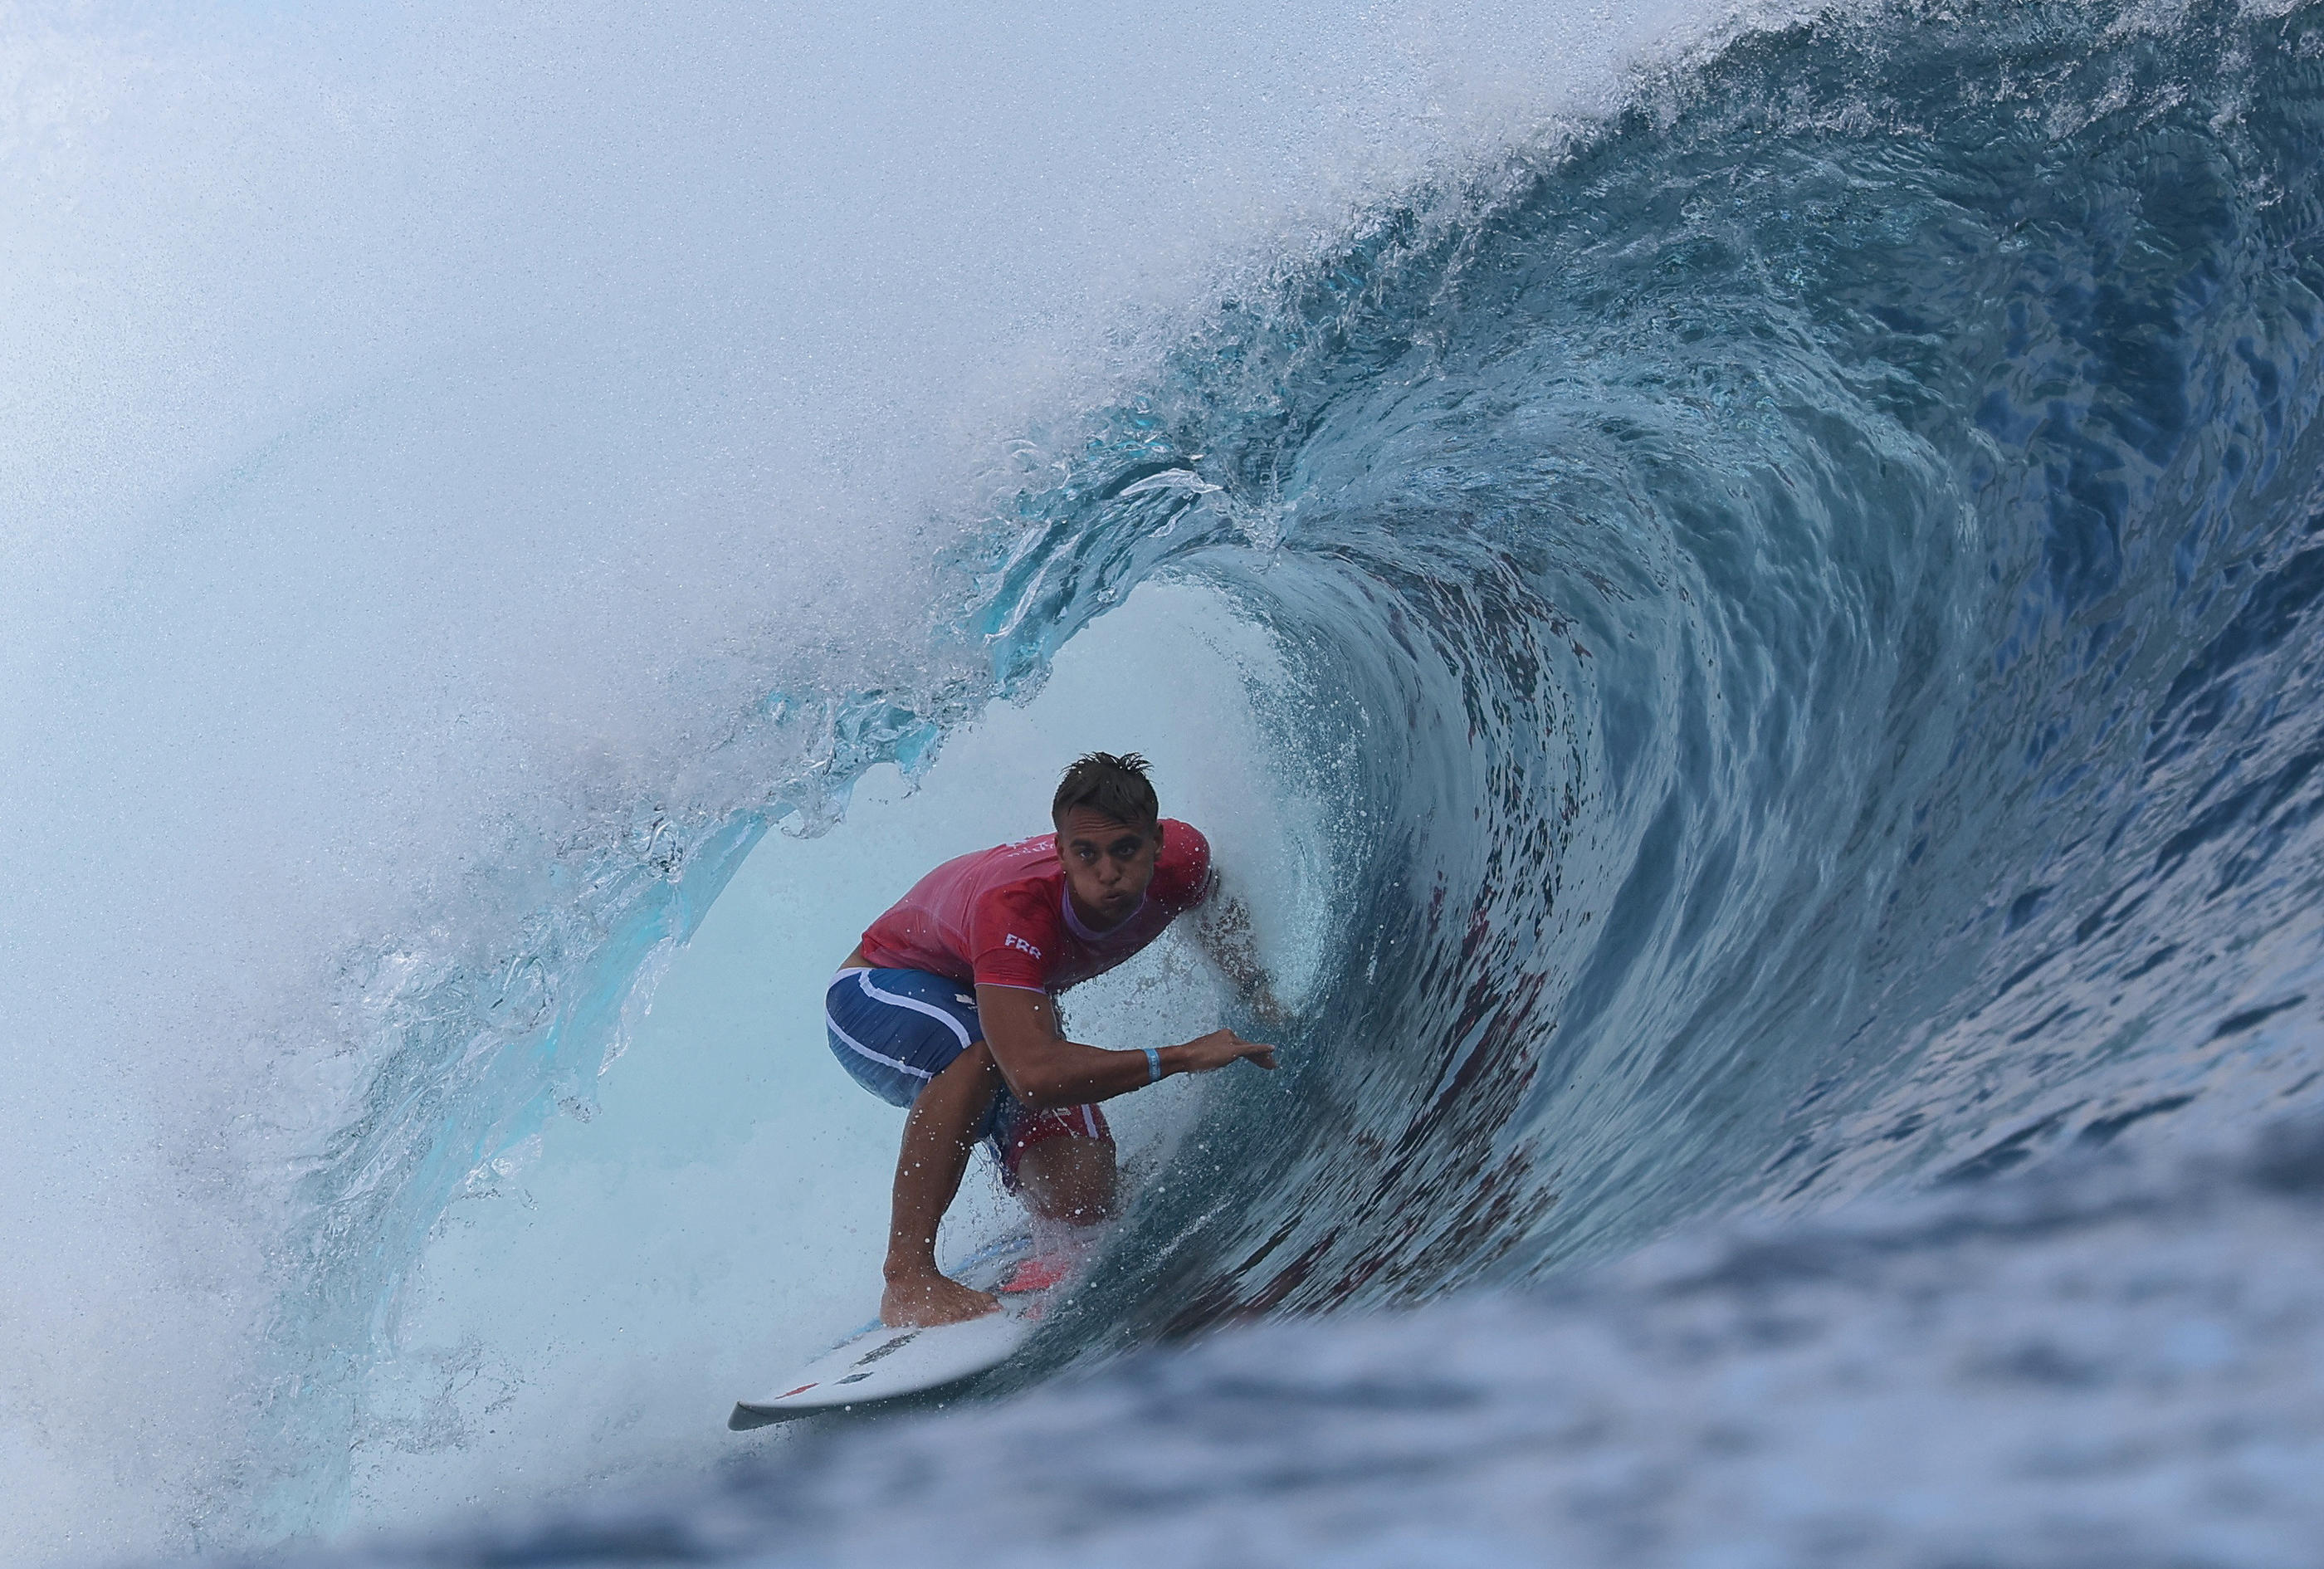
(1002, 917)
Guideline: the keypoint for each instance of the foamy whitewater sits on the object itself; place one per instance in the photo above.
(1739, 590)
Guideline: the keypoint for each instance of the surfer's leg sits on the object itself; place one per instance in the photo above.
(946, 1122)
(1072, 1180)
(1061, 1163)
(914, 1040)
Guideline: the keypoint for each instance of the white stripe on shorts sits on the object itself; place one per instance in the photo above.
(856, 1045)
(960, 1033)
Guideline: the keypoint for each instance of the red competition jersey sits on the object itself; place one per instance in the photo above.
(1003, 917)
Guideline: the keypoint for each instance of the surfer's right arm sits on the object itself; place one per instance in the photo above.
(1044, 1070)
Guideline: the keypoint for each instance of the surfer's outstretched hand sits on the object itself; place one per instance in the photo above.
(925, 1301)
(1221, 1046)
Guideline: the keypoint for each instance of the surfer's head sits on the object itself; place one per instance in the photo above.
(1109, 832)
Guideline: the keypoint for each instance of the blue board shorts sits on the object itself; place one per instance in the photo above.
(893, 1030)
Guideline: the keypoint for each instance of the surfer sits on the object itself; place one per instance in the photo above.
(948, 1007)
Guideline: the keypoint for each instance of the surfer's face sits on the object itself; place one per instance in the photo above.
(1108, 864)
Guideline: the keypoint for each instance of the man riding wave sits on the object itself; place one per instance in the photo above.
(948, 1007)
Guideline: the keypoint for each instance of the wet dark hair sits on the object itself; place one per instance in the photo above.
(1116, 786)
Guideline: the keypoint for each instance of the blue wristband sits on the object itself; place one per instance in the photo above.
(1153, 1066)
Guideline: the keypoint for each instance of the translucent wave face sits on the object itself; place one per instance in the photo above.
(721, 1214)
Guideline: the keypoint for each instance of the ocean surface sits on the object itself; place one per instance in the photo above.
(1740, 591)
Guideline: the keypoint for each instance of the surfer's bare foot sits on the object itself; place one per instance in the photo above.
(924, 1301)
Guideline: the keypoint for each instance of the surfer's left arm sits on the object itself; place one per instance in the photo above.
(1221, 928)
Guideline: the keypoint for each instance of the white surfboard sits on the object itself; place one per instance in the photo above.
(880, 1363)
